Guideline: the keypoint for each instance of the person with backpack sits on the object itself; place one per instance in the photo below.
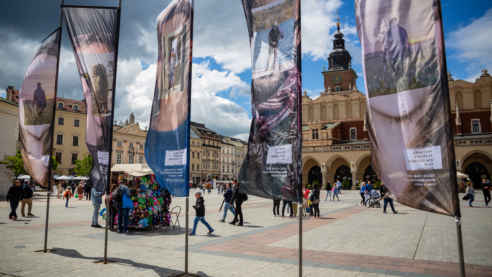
(315, 197)
(239, 198)
(125, 205)
(67, 194)
(200, 214)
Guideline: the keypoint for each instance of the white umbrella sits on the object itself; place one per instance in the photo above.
(24, 177)
(461, 175)
(81, 178)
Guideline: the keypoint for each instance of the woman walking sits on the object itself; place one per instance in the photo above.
(470, 194)
(362, 194)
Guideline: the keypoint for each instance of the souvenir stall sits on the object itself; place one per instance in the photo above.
(151, 202)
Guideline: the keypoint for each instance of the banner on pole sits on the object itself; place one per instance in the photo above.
(93, 35)
(272, 165)
(37, 100)
(166, 146)
(408, 101)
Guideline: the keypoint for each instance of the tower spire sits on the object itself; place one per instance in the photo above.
(338, 23)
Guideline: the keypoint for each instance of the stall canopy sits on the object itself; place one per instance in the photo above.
(136, 170)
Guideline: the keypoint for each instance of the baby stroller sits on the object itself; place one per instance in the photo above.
(374, 199)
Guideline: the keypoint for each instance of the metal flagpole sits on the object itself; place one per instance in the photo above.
(50, 170)
(187, 233)
(117, 37)
(453, 169)
(299, 130)
(188, 140)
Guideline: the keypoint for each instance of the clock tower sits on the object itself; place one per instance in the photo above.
(340, 77)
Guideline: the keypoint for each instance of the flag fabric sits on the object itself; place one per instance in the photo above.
(37, 100)
(272, 165)
(408, 102)
(93, 35)
(167, 142)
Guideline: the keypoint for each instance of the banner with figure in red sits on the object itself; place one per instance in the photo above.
(408, 101)
(272, 165)
(36, 107)
(92, 32)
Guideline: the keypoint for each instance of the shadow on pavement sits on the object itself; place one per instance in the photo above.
(164, 232)
(253, 226)
(161, 271)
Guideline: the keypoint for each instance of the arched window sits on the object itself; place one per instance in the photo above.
(75, 108)
(60, 105)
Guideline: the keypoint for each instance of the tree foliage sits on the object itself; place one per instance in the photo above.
(83, 167)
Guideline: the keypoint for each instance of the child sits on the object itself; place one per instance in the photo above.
(200, 214)
(67, 194)
(470, 194)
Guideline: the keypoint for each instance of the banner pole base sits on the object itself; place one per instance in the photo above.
(460, 246)
(186, 233)
(300, 210)
(45, 248)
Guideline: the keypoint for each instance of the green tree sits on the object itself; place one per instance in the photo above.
(15, 163)
(83, 167)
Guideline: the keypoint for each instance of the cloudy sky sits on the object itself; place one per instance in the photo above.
(221, 64)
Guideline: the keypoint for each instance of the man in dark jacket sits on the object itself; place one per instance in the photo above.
(238, 198)
(14, 195)
(27, 194)
(200, 214)
(227, 202)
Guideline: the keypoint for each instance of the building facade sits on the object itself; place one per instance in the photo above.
(9, 120)
(69, 136)
(335, 139)
(128, 143)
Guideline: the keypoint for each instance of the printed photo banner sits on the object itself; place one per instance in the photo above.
(93, 35)
(37, 100)
(166, 146)
(408, 102)
(272, 165)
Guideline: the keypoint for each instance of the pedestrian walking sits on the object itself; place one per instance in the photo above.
(239, 198)
(87, 190)
(387, 198)
(276, 206)
(469, 194)
(486, 190)
(362, 194)
(14, 195)
(67, 194)
(96, 204)
(200, 214)
(27, 194)
(227, 202)
(328, 191)
(80, 191)
(315, 197)
(336, 191)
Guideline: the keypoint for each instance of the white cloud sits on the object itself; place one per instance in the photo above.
(3, 93)
(472, 44)
(136, 90)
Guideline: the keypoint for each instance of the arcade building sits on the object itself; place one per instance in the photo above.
(335, 139)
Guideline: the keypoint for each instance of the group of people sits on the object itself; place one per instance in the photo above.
(80, 189)
(485, 185)
(20, 192)
(333, 191)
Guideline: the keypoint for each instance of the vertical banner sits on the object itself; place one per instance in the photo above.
(37, 100)
(273, 162)
(408, 101)
(93, 35)
(166, 146)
